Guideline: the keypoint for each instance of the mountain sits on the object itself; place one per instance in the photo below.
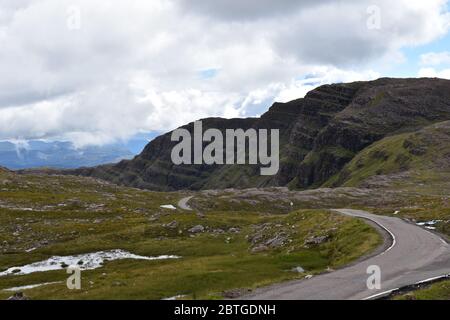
(319, 135)
(58, 154)
(416, 158)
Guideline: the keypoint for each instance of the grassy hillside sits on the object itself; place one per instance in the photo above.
(42, 216)
(419, 157)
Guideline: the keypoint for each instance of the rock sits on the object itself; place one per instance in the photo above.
(171, 225)
(234, 230)
(235, 293)
(118, 284)
(317, 240)
(197, 229)
(18, 296)
(260, 248)
(298, 269)
(277, 241)
(309, 276)
(410, 296)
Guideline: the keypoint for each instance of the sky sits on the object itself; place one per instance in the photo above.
(101, 72)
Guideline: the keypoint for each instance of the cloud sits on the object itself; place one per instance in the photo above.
(98, 72)
(319, 76)
(340, 33)
(433, 73)
(435, 58)
(238, 10)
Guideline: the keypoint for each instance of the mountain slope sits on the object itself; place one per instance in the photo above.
(417, 158)
(319, 135)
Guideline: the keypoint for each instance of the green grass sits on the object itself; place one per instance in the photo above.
(132, 220)
(423, 155)
(436, 291)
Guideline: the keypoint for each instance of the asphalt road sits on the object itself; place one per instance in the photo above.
(183, 203)
(412, 255)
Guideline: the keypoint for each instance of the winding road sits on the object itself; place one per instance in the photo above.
(183, 203)
(412, 255)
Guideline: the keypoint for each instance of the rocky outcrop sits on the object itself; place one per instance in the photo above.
(319, 135)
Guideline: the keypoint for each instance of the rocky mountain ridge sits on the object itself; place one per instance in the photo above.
(319, 135)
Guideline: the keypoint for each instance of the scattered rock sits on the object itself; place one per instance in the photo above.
(197, 229)
(410, 296)
(317, 240)
(234, 230)
(118, 284)
(235, 293)
(171, 225)
(18, 296)
(298, 269)
(277, 241)
(260, 248)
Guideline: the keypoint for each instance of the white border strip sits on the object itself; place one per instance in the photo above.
(417, 283)
(381, 294)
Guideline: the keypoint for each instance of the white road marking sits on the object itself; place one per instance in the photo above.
(418, 282)
(380, 294)
(432, 279)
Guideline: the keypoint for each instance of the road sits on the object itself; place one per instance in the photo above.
(413, 255)
(183, 203)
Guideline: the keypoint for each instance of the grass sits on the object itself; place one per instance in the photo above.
(423, 155)
(72, 215)
(436, 291)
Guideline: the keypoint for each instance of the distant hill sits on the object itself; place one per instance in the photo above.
(320, 135)
(58, 155)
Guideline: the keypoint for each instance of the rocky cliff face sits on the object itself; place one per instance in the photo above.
(319, 135)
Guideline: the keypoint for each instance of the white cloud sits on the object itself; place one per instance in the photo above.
(433, 73)
(136, 66)
(435, 58)
(320, 76)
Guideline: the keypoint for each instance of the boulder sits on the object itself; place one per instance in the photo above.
(18, 296)
(317, 240)
(197, 229)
